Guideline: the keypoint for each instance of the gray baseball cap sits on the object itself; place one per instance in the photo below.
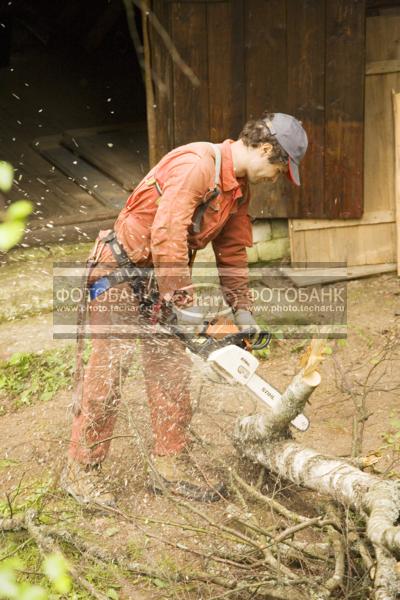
(293, 139)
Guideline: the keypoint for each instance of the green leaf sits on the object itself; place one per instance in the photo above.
(6, 176)
(8, 585)
(10, 234)
(327, 350)
(298, 347)
(262, 354)
(18, 358)
(159, 583)
(19, 210)
(32, 592)
(111, 531)
(113, 594)
(56, 568)
(63, 584)
(7, 462)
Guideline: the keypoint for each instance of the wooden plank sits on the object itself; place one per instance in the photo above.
(92, 180)
(382, 39)
(52, 194)
(98, 215)
(314, 240)
(239, 108)
(345, 25)
(305, 277)
(382, 44)
(396, 111)
(72, 233)
(355, 245)
(379, 4)
(162, 69)
(382, 66)
(393, 10)
(265, 57)
(379, 143)
(306, 74)
(270, 201)
(267, 88)
(298, 248)
(191, 111)
(379, 216)
(226, 77)
(118, 152)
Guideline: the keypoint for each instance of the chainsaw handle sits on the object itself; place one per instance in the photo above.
(262, 341)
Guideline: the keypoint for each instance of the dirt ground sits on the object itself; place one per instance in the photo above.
(154, 529)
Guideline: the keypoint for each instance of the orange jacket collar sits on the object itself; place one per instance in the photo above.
(228, 178)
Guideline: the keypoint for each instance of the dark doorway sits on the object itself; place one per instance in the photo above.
(71, 92)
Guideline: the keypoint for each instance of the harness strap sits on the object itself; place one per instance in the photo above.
(118, 251)
(211, 194)
(101, 285)
(218, 162)
(128, 271)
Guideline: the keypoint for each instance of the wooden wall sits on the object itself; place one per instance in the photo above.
(304, 57)
(371, 240)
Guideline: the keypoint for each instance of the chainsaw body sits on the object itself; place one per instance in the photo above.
(238, 366)
(223, 354)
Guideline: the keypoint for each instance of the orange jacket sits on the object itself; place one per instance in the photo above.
(157, 229)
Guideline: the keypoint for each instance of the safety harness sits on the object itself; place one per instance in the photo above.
(127, 270)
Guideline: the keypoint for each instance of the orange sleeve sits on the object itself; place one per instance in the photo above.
(231, 256)
(185, 184)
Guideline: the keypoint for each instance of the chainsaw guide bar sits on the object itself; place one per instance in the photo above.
(236, 366)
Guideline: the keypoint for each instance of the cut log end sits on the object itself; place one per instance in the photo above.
(312, 379)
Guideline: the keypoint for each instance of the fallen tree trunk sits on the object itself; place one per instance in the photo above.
(266, 439)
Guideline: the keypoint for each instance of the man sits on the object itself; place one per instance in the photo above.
(195, 195)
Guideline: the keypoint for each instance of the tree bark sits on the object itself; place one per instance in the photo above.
(266, 439)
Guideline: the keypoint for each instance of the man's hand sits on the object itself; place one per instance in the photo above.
(246, 322)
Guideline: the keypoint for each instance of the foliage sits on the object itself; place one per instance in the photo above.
(14, 220)
(6, 176)
(262, 354)
(392, 444)
(392, 437)
(54, 567)
(29, 376)
(22, 498)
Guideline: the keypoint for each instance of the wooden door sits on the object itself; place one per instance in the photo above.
(372, 239)
(304, 57)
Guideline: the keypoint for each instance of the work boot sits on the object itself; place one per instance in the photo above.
(174, 474)
(86, 484)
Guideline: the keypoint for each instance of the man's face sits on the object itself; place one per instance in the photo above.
(259, 168)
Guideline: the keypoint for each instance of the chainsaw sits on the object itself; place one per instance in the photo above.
(223, 354)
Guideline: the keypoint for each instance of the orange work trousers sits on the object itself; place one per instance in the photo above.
(112, 317)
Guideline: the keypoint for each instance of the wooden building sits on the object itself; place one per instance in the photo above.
(213, 64)
(331, 63)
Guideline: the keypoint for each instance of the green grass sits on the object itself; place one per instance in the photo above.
(28, 377)
(53, 251)
(26, 278)
(27, 566)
